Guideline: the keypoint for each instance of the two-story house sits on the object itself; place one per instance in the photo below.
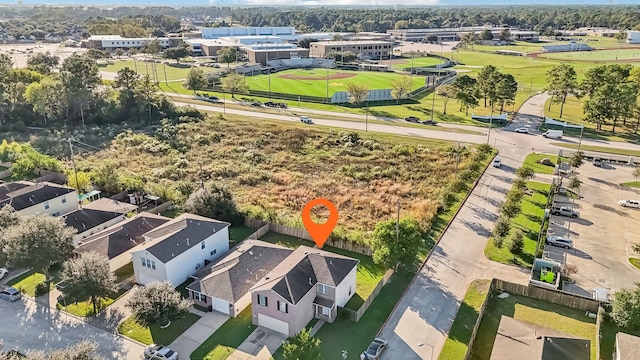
(309, 283)
(91, 218)
(40, 198)
(177, 249)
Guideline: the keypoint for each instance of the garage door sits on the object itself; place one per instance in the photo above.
(220, 305)
(273, 324)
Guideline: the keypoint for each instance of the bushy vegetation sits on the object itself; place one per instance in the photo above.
(26, 159)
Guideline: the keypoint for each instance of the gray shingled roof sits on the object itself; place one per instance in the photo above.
(303, 269)
(31, 195)
(628, 345)
(181, 234)
(122, 237)
(231, 277)
(11, 187)
(86, 219)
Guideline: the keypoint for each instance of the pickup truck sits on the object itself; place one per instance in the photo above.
(564, 211)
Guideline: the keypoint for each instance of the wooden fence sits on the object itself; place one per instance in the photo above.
(160, 208)
(259, 233)
(303, 234)
(355, 315)
(474, 332)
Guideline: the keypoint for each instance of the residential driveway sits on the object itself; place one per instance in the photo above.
(27, 325)
(605, 231)
(186, 343)
(260, 345)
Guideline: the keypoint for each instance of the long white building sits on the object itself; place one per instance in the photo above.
(112, 42)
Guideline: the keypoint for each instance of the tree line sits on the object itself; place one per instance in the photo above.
(611, 92)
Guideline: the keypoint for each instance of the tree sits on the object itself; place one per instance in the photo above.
(302, 347)
(505, 35)
(119, 52)
(80, 180)
(466, 94)
(488, 78)
(80, 76)
(446, 92)
(621, 36)
(519, 184)
(510, 208)
(468, 39)
(401, 88)
(39, 241)
(157, 303)
(636, 173)
(84, 350)
(517, 243)
(501, 229)
(525, 173)
(176, 53)
(89, 276)
(107, 176)
(214, 202)
(227, 55)
(625, 308)
(431, 38)
(145, 93)
(562, 81)
(126, 81)
(95, 54)
(390, 252)
(577, 159)
(575, 184)
(486, 35)
(234, 83)
(196, 79)
(152, 48)
(44, 96)
(44, 63)
(358, 93)
(506, 90)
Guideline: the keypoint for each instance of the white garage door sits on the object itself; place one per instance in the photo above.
(273, 324)
(220, 305)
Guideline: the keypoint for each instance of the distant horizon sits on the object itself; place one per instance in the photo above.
(321, 3)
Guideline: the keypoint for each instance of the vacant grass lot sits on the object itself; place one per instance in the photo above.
(457, 343)
(173, 71)
(532, 162)
(226, 339)
(154, 334)
(529, 223)
(556, 317)
(368, 274)
(279, 83)
(273, 168)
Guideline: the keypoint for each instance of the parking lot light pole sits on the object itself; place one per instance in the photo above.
(581, 132)
(432, 349)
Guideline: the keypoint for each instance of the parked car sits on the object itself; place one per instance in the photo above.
(553, 134)
(256, 104)
(559, 241)
(497, 162)
(3, 272)
(623, 203)
(11, 294)
(428, 122)
(374, 350)
(159, 352)
(522, 130)
(564, 211)
(306, 119)
(597, 162)
(412, 119)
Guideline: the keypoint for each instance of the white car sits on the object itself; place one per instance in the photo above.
(623, 203)
(522, 130)
(3, 272)
(159, 352)
(306, 119)
(497, 162)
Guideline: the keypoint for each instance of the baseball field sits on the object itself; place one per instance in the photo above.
(313, 82)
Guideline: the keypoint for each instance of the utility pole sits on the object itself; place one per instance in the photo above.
(75, 170)
(580, 141)
(201, 176)
(490, 124)
(433, 100)
(398, 223)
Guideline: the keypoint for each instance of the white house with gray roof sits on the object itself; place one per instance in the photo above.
(177, 249)
(224, 284)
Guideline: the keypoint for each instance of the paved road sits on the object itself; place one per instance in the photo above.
(27, 325)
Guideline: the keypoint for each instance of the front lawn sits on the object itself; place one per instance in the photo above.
(226, 339)
(28, 281)
(154, 334)
(124, 272)
(541, 313)
(456, 345)
(84, 308)
(528, 221)
(532, 162)
(368, 273)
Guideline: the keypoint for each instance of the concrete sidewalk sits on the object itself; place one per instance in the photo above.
(260, 345)
(194, 336)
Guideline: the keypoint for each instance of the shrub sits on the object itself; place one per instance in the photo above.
(517, 243)
(42, 289)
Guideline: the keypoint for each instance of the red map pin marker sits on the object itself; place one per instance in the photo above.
(320, 232)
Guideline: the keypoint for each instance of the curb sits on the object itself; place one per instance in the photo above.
(475, 184)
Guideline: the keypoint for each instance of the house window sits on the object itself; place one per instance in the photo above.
(153, 264)
(197, 266)
(282, 307)
(144, 262)
(202, 245)
(325, 311)
(262, 300)
(64, 199)
(323, 289)
(213, 252)
(46, 205)
(200, 297)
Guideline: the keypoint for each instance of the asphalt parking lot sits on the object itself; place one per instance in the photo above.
(603, 234)
(26, 325)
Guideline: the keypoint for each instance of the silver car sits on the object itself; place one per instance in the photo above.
(560, 241)
(10, 294)
(159, 352)
(374, 350)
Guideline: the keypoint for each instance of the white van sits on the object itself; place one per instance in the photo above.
(553, 134)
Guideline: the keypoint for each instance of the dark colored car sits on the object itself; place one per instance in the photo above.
(412, 119)
(428, 122)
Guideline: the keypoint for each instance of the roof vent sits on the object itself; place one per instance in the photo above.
(198, 223)
(188, 242)
(330, 261)
(310, 281)
(250, 252)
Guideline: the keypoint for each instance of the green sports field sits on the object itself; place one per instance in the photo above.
(598, 55)
(315, 83)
